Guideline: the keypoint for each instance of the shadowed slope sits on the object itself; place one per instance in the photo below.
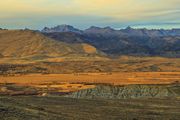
(129, 41)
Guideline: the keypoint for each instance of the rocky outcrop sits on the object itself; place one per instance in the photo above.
(124, 92)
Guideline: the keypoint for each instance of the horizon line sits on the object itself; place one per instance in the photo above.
(114, 28)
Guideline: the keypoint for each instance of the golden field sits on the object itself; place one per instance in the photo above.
(117, 78)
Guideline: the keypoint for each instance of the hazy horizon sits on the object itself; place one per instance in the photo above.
(148, 27)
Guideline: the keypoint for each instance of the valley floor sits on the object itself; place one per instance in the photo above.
(117, 78)
(60, 108)
(90, 96)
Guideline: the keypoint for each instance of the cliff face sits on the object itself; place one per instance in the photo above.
(130, 91)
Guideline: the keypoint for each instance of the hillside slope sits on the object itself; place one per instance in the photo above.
(25, 43)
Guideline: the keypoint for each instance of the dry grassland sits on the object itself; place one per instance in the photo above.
(119, 78)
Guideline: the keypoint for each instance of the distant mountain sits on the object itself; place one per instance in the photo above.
(68, 37)
(107, 31)
(26, 43)
(129, 41)
(151, 33)
(94, 29)
(110, 31)
(61, 28)
(132, 32)
(148, 46)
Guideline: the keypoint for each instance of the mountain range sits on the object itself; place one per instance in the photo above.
(65, 41)
(129, 41)
(110, 31)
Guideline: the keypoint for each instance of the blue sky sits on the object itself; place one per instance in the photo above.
(36, 14)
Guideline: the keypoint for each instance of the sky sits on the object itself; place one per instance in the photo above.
(36, 14)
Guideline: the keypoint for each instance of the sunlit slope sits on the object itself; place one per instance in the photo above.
(25, 43)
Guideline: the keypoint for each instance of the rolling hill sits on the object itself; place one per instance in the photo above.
(26, 43)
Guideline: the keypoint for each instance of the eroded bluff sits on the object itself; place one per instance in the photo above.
(129, 91)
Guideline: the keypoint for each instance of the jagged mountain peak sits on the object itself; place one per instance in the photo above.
(61, 28)
(93, 27)
(99, 28)
(108, 28)
(129, 28)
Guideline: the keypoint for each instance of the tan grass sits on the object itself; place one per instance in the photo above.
(119, 78)
(89, 49)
